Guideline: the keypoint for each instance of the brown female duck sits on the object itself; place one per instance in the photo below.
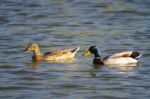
(52, 55)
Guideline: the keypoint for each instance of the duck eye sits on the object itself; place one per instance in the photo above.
(31, 46)
(34, 46)
(95, 48)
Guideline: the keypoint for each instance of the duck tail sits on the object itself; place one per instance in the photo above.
(75, 50)
(135, 55)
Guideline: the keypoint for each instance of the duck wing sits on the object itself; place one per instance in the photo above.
(122, 54)
(132, 54)
(62, 52)
(57, 52)
(48, 53)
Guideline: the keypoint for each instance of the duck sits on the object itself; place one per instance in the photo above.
(122, 58)
(50, 55)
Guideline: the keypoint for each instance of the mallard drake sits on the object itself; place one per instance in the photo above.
(128, 57)
(51, 55)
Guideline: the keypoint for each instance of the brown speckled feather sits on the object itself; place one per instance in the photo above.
(59, 54)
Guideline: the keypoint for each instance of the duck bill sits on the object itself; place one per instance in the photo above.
(87, 53)
(26, 50)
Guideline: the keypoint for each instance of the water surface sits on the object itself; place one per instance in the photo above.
(112, 25)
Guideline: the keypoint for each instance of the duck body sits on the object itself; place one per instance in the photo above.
(128, 57)
(52, 55)
(122, 58)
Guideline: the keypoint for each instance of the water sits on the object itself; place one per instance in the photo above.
(112, 25)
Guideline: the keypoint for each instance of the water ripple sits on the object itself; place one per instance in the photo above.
(113, 26)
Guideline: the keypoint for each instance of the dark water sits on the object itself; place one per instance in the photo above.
(112, 25)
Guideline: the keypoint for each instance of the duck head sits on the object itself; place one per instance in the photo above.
(97, 58)
(31, 47)
(92, 50)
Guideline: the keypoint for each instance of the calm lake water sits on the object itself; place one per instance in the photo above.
(112, 25)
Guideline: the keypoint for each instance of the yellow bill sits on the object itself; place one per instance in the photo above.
(87, 53)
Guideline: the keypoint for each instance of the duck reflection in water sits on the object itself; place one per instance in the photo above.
(35, 64)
